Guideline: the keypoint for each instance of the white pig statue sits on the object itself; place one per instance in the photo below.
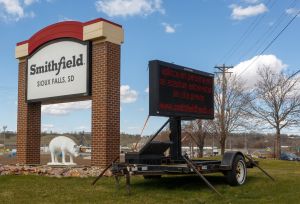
(65, 146)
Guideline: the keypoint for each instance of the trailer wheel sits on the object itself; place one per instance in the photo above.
(152, 176)
(237, 175)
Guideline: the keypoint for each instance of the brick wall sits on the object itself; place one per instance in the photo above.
(29, 124)
(105, 103)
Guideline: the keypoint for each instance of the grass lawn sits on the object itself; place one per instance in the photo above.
(176, 189)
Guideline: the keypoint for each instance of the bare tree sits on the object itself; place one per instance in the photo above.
(231, 100)
(276, 102)
(198, 130)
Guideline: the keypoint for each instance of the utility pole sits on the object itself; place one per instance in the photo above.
(213, 144)
(223, 70)
(4, 129)
(245, 143)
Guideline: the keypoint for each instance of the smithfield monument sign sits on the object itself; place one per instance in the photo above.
(58, 69)
(65, 62)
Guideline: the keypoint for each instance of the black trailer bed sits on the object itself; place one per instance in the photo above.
(203, 166)
(233, 165)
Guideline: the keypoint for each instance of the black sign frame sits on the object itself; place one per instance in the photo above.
(158, 93)
(69, 97)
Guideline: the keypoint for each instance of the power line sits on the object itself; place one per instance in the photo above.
(269, 32)
(245, 35)
(291, 76)
(270, 43)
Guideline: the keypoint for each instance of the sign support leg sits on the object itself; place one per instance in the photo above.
(175, 138)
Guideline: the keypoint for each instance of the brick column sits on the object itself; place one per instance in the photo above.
(29, 123)
(105, 102)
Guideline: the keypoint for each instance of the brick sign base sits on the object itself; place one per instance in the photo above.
(106, 38)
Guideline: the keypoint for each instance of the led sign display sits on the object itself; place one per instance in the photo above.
(177, 91)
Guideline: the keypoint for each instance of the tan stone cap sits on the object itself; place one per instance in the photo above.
(98, 29)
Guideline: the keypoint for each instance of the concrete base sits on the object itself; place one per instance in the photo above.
(61, 164)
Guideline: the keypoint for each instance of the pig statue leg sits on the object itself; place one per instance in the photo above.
(71, 159)
(52, 158)
(63, 157)
(55, 157)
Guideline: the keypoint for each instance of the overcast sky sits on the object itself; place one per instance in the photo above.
(194, 33)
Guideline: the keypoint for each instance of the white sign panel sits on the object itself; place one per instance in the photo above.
(57, 70)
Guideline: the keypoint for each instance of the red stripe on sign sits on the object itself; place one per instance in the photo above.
(67, 29)
(23, 42)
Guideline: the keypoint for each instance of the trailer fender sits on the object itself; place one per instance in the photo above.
(228, 158)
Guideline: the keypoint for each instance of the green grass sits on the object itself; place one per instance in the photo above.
(176, 189)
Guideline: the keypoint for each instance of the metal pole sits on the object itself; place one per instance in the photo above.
(223, 70)
(4, 128)
(104, 170)
(274, 148)
(255, 164)
(175, 138)
(213, 144)
(190, 164)
(245, 144)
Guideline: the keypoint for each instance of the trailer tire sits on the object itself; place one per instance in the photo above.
(152, 176)
(238, 174)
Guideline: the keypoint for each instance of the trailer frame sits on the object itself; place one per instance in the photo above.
(151, 162)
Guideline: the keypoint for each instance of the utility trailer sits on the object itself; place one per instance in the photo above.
(233, 166)
(151, 162)
(180, 93)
